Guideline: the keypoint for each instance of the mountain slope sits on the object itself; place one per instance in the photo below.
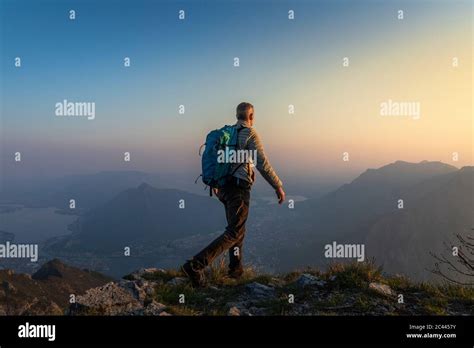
(347, 214)
(370, 194)
(144, 215)
(45, 292)
(89, 190)
(434, 212)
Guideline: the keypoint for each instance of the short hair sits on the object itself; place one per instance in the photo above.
(243, 111)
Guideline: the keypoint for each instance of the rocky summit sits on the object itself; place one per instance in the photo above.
(344, 289)
(350, 289)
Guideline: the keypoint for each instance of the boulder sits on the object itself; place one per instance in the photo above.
(145, 271)
(307, 279)
(257, 290)
(234, 311)
(109, 299)
(177, 281)
(139, 289)
(154, 308)
(238, 309)
(381, 289)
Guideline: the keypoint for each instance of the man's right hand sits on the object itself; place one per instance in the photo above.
(280, 195)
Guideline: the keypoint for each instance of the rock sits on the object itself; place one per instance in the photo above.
(138, 292)
(8, 287)
(154, 308)
(382, 289)
(381, 309)
(149, 290)
(177, 281)
(145, 271)
(152, 270)
(246, 313)
(41, 306)
(258, 290)
(238, 307)
(55, 309)
(234, 311)
(308, 279)
(257, 311)
(276, 282)
(109, 299)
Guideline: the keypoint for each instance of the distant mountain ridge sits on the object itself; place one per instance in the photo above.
(350, 213)
(89, 190)
(363, 211)
(436, 210)
(145, 215)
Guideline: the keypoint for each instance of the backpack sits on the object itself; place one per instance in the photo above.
(215, 174)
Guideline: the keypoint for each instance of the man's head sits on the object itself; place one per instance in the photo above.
(244, 112)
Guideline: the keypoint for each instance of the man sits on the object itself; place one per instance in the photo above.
(235, 195)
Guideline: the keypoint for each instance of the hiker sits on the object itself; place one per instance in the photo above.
(234, 193)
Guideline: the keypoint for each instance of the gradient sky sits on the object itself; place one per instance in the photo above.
(190, 62)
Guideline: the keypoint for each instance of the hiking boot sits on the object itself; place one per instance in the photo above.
(195, 275)
(235, 273)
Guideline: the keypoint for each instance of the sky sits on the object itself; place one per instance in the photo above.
(190, 62)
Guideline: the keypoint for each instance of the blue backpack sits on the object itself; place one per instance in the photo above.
(215, 174)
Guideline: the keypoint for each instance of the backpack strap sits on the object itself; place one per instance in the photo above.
(240, 164)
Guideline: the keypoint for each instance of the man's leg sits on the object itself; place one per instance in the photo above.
(237, 208)
(235, 251)
(235, 258)
(236, 268)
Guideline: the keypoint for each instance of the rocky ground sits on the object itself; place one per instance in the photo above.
(357, 289)
(47, 291)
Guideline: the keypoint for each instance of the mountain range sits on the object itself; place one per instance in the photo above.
(145, 215)
(89, 191)
(437, 204)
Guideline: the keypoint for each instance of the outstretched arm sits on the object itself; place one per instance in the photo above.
(264, 167)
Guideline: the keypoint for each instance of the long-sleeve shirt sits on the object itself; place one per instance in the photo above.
(249, 139)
